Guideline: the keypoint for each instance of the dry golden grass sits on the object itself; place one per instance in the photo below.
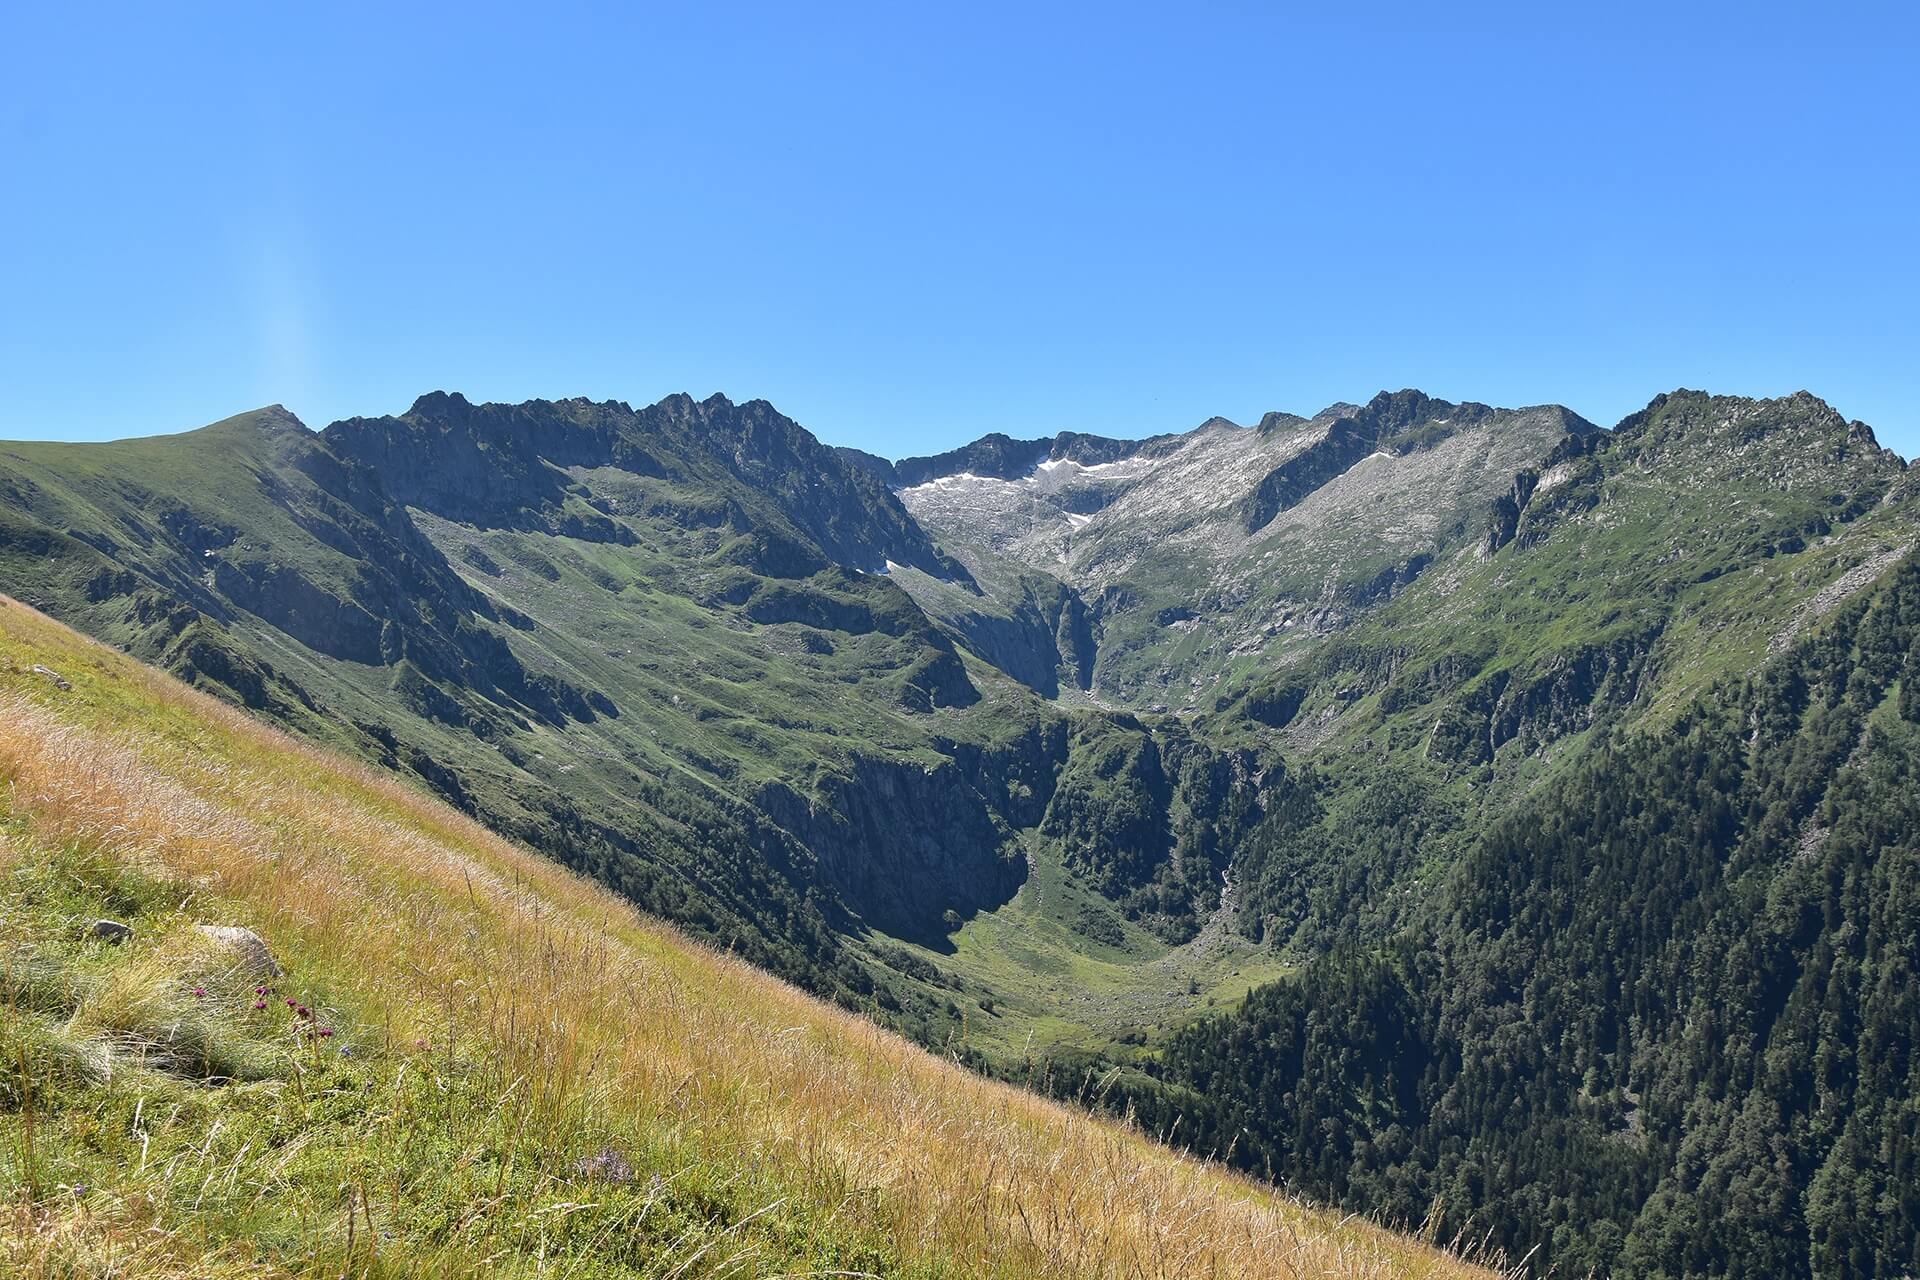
(449, 943)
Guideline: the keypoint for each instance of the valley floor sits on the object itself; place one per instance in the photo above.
(1056, 985)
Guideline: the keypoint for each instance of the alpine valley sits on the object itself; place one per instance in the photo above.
(1455, 814)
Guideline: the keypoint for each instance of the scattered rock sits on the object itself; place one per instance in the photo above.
(59, 681)
(110, 931)
(606, 1165)
(250, 946)
(1812, 837)
(1834, 594)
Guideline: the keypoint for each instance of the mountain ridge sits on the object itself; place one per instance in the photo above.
(1069, 745)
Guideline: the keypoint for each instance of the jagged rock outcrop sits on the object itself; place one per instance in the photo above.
(1563, 694)
(903, 843)
(1397, 422)
(1503, 518)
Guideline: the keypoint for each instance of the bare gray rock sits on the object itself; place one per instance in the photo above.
(1191, 552)
(250, 947)
(110, 931)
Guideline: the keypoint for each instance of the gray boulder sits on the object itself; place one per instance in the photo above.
(110, 931)
(250, 948)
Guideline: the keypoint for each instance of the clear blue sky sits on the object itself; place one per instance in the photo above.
(907, 225)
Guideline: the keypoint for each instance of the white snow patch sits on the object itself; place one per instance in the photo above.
(1077, 520)
(950, 482)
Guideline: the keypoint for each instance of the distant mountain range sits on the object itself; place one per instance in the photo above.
(1051, 751)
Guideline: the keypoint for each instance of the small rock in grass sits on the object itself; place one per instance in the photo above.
(59, 681)
(251, 947)
(110, 931)
(605, 1164)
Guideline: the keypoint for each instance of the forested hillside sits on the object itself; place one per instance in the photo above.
(1663, 1022)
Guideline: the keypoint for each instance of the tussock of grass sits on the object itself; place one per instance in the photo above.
(182, 1007)
(38, 1057)
(497, 1022)
(32, 983)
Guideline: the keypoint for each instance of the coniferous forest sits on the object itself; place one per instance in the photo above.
(1661, 1022)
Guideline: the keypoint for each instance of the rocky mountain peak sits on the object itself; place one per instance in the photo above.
(528, 466)
(439, 405)
(277, 419)
(272, 427)
(1398, 410)
(1273, 421)
(1800, 429)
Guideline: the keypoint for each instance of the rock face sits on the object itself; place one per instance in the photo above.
(1044, 638)
(904, 843)
(1567, 693)
(249, 949)
(1503, 517)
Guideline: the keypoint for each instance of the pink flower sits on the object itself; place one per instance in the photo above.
(199, 993)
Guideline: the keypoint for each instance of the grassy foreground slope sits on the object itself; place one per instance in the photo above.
(521, 1075)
